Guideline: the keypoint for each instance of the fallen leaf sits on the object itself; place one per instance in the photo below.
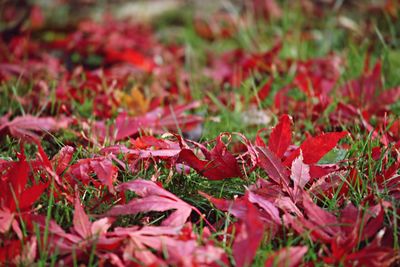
(153, 198)
(281, 136)
(219, 163)
(300, 175)
(26, 127)
(287, 257)
(314, 148)
(273, 166)
(250, 232)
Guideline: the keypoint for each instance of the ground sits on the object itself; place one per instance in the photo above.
(199, 133)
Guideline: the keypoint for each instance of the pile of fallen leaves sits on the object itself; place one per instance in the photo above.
(141, 113)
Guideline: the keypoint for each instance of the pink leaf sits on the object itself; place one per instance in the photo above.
(100, 226)
(102, 166)
(25, 127)
(81, 221)
(6, 219)
(300, 175)
(266, 205)
(158, 120)
(287, 257)
(153, 198)
(62, 159)
(179, 243)
(105, 171)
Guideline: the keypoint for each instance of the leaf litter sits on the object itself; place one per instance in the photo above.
(126, 98)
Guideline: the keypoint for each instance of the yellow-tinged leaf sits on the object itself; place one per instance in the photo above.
(134, 102)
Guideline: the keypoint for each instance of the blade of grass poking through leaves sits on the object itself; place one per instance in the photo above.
(46, 233)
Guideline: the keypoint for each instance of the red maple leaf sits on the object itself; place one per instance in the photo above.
(281, 136)
(314, 148)
(219, 163)
(248, 238)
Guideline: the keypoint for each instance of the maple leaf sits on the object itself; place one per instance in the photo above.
(25, 127)
(181, 250)
(249, 236)
(81, 220)
(263, 93)
(374, 255)
(14, 253)
(317, 77)
(83, 235)
(273, 166)
(158, 120)
(281, 136)
(136, 153)
(266, 205)
(271, 196)
(356, 227)
(219, 164)
(153, 198)
(366, 93)
(102, 166)
(62, 159)
(140, 240)
(14, 193)
(300, 175)
(259, 140)
(131, 56)
(314, 148)
(286, 257)
(389, 180)
(329, 225)
(344, 233)
(237, 207)
(362, 91)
